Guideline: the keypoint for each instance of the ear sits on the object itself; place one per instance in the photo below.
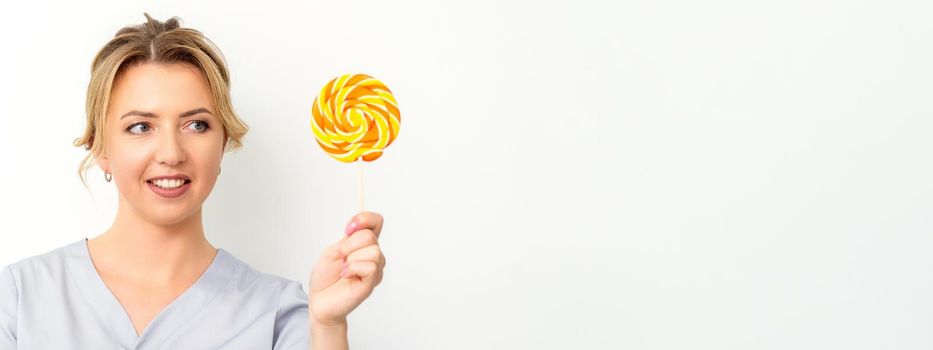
(103, 162)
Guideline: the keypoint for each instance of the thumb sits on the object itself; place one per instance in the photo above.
(328, 267)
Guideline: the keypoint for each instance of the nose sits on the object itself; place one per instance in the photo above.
(170, 150)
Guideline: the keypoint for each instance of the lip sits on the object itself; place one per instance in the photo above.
(170, 193)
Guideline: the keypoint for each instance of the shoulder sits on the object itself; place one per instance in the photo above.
(49, 265)
(249, 279)
(285, 298)
(289, 304)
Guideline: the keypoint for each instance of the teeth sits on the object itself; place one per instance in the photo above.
(168, 184)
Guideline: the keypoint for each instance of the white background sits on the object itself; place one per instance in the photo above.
(578, 175)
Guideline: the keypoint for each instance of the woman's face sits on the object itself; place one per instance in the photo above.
(161, 121)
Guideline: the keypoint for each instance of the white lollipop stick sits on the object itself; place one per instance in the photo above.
(361, 184)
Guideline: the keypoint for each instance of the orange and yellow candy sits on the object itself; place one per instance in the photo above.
(355, 117)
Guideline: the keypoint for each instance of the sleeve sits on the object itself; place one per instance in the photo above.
(292, 328)
(9, 299)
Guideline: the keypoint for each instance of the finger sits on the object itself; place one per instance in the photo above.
(365, 220)
(327, 270)
(333, 251)
(368, 253)
(362, 269)
(358, 240)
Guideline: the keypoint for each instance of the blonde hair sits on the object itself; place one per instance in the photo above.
(159, 42)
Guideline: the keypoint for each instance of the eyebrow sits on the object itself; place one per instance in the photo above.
(153, 115)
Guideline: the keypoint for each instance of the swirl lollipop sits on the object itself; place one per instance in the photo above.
(354, 118)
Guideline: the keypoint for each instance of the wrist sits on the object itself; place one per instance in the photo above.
(329, 335)
(328, 325)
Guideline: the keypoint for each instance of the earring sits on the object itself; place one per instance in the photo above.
(108, 176)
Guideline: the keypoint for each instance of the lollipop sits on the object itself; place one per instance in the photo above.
(354, 118)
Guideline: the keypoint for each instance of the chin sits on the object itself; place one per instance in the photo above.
(169, 215)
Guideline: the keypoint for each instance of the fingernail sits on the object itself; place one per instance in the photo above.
(344, 272)
(351, 227)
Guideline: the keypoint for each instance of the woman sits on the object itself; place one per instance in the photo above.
(159, 119)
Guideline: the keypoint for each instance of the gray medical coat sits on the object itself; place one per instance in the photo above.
(57, 300)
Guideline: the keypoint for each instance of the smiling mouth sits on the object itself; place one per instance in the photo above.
(169, 184)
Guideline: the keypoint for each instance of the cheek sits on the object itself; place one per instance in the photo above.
(127, 161)
(215, 146)
(209, 153)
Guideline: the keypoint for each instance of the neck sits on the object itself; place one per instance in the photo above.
(160, 254)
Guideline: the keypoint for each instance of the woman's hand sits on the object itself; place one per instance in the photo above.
(347, 272)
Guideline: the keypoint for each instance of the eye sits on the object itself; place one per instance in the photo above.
(200, 125)
(142, 127)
